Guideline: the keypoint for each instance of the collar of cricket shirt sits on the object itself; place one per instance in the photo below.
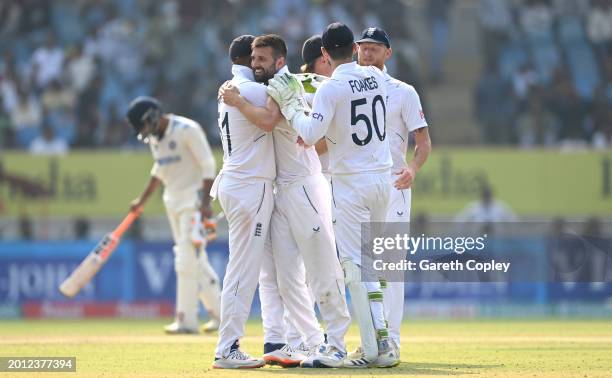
(344, 67)
(243, 71)
(284, 69)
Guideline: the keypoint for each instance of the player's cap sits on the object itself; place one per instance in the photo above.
(337, 35)
(375, 35)
(241, 46)
(312, 49)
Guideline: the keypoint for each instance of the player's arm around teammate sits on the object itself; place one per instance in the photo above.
(244, 190)
(266, 118)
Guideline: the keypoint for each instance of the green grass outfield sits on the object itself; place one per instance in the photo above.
(489, 348)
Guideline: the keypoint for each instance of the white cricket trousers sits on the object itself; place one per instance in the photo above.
(360, 199)
(287, 308)
(302, 225)
(194, 274)
(248, 207)
(357, 199)
(393, 295)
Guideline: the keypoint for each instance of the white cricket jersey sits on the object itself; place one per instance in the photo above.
(183, 159)
(247, 150)
(324, 157)
(404, 115)
(349, 110)
(293, 162)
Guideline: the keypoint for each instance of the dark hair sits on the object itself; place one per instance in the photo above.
(278, 45)
(340, 53)
(308, 67)
(242, 61)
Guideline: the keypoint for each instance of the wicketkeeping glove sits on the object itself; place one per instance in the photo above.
(311, 81)
(288, 93)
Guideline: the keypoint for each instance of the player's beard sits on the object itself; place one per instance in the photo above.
(266, 74)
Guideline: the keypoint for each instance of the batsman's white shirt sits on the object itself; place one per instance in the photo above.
(404, 115)
(183, 159)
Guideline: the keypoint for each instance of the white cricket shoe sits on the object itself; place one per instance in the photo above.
(237, 359)
(210, 326)
(324, 356)
(356, 354)
(175, 329)
(356, 359)
(304, 349)
(388, 353)
(286, 357)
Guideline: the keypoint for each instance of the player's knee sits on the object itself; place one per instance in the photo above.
(352, 273)
(185, 260)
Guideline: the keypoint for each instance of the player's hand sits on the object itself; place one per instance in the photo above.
(136, 205)
(206, 211)
(230, 94)
(405, 179)
(301, 142)
(210, 229)
(221, 88)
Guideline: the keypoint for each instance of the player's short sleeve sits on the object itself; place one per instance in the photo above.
(324, 104)
(314, 126)
(412, 111)
(155, 170)
(199, 147)
(255, 93)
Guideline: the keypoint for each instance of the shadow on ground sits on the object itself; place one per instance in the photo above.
(405, 368)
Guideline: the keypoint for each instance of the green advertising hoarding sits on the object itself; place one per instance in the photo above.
(532, 182)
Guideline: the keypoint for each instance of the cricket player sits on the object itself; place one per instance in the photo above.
(316, 63)
(404, 116)
(287, 309)
(302, 218)
(349, 110)
(244, 189)
(185, 165)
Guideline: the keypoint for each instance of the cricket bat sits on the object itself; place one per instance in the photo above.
(88, 268)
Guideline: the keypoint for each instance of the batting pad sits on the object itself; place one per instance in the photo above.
(361, 309)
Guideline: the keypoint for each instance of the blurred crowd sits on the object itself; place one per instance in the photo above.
(547, 72)
(69, 68)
